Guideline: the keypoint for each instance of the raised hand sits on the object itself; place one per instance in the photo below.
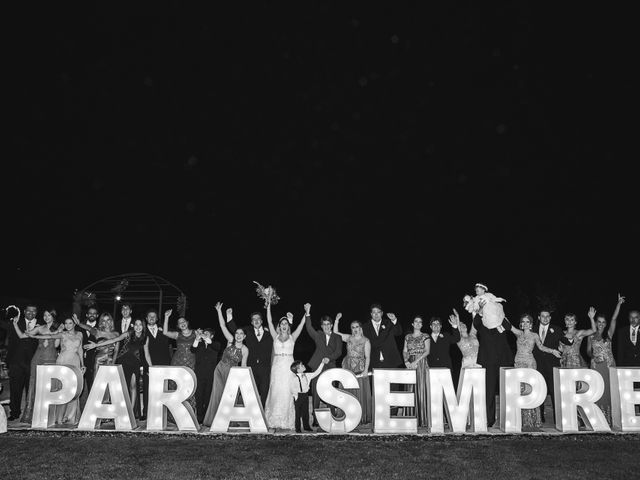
(455, 318)
(592, 313)
(621, 299)
(338, 317)
(75, 319)
(229, 314)
(290, 317)
(168, 313)
(219, 307)
(392, 317)
(307, 309)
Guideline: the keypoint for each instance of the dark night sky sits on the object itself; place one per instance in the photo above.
(344, 155)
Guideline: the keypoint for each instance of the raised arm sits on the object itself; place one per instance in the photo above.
(307, 321)
(19, 332)
(614, 317)
(223, 326)
(396, 330)
(592, 330)
(317, 371)
(165, 330)
(345, 336)
(272, 329)
(454, 321)
(296, 333)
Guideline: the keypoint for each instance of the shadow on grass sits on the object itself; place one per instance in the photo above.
(81, 455)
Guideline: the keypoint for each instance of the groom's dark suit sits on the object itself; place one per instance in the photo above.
(384, 341)
(628, 353)
(326, 347)
(494, 352)
(259, 357)
(545, 362)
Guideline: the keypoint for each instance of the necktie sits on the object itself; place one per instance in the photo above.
(543, 334)
(634, 335)
(327, 338)
(300, 382)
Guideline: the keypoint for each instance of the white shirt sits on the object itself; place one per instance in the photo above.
(31, 324)
(543, 332)
(376, 326)
(303, 379)
(153, 329)
(125, 324)
(259, 333)
(633, 334)
(435, 336)
(92, 325)
(327, 338)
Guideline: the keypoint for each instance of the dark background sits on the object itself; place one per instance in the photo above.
(345, 155)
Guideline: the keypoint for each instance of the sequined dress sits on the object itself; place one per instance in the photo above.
(45, 353)
(469, 348)
(69, 355)
(231, 357)
(524, 359)
(355, 361)
(602, 359)
(415, 349)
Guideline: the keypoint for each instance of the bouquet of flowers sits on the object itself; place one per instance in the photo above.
(268, 294)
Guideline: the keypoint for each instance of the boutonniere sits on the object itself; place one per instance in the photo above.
(441, 335)
(384, 326)
(551, 330)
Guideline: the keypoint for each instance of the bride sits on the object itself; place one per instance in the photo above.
(279, 408)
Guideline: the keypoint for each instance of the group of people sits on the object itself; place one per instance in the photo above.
(283, 383)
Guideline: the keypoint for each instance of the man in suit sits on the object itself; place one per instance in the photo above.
(19, 359)
(159, 353)
(439, 353)
(382, 333)
(328, 346)
(494, 352)
(260, 344)
(629, 342)
(125, 323)
(550, 336)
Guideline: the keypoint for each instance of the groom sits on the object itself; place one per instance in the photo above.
(328, 346)
(494, 352)
(260, 344)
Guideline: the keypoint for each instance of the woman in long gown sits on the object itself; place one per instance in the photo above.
(132, 355)
(417, 346)
(279, 407)
(235, 354)
(570, 343)
(525, 343)
(45, 353)
(71, 353)
(357, 360)
(183, 356)
(599, 349)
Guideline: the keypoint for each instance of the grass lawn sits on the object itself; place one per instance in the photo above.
(78, 455)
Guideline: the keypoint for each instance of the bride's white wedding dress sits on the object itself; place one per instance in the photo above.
(279, 408)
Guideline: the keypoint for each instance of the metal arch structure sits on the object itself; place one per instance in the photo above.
(139, 289)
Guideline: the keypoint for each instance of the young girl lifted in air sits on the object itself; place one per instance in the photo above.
(487, 305)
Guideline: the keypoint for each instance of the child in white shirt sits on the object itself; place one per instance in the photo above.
(299, 386)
